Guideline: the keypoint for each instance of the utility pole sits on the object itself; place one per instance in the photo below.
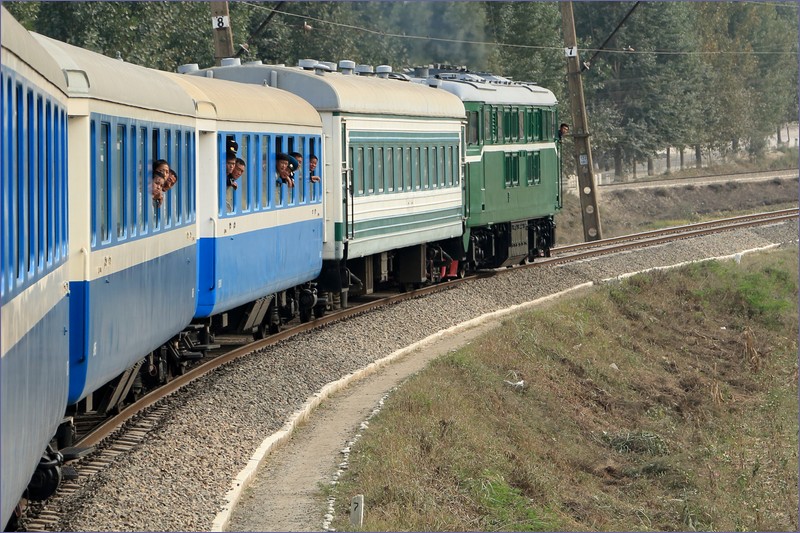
(580, 129)
(223, 36)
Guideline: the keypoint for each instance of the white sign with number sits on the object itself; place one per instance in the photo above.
(220, 22)
(571, 51)
(584, 159)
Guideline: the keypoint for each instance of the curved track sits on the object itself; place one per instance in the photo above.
(131, 426)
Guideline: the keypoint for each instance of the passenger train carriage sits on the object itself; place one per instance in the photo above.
(268, 239)
(33, 258)
(133, 264)
(392, 176)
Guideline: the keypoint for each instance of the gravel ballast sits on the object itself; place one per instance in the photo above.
(178, 478)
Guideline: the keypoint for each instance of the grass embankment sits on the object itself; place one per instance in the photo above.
(666, 402)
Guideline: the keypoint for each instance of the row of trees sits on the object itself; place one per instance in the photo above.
(705, 75)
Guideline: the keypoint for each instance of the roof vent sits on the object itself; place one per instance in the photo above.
(230, 62)
(434, 82)
(307, 64)
(364, 70)
(421, 72)
(189, 67)
(383, 71)
(330, 64)
(320, 69)
(347, 66)
(255, 62)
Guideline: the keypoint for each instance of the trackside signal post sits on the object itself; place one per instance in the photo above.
(223, 36)
(580, 129)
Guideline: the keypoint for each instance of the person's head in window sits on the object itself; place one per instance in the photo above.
(312, 167)
(237, 172)
(170, 180)
(230, 163)
(160, 173)
(285, 165)
(299, 158)
(563, 130)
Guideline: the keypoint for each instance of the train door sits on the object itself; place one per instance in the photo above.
(211, 203)
(347, 184)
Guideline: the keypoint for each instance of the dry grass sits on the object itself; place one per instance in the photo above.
(639, 412)
(632, 210)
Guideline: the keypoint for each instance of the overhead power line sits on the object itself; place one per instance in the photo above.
(509, 45)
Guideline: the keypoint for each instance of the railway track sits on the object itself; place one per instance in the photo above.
(131, 426)
(698, 180)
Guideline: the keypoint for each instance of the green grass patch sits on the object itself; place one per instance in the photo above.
(667, 402)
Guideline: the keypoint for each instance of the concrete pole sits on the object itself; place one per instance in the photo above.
(223, 35)
(580, 129)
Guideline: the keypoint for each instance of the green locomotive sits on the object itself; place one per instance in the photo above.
(513, 184)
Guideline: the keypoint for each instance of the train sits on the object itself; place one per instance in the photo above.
(115, 277)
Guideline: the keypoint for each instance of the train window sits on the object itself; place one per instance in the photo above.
(499, 131)
(448, 166)
(263, 171)
(48, 192)
(358, 176)
(388, 168)
(534, 174)
(433, 175)
(379, 178)
(102, 182)
(19, 253)
(369, 169)
(118, 181)
(416, 170)
(487, 125)
(314, 151)
(472, 127)
(169, 196)
(41, 208)
(175, 191)
(402, 168)
(6, 195)
(244, 182)
(521, 124)
(30, 215)
(155, 218)
(444, 180)
(141, 181)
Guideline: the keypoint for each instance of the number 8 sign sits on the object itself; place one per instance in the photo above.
(220, 22)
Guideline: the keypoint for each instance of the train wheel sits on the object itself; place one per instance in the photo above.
(262, 331)
(319, 311)
(305, 315)
(47, 477)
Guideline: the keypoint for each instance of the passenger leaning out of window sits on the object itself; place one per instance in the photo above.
(159, 186)
(285, 165)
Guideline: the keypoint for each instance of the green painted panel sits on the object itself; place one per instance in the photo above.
(415, 221)
(492, 201)
(404, 136)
